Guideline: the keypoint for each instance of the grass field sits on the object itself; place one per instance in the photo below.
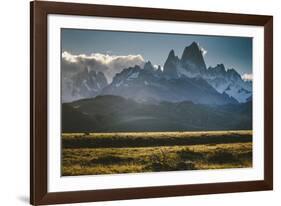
(110, 153)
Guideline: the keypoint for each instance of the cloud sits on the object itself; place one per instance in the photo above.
(157, 67)
(203, 51)
(106, 63)
(247, 77)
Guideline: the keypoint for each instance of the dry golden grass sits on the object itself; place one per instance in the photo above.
(149, 139)
(159, 134)
(214, 155)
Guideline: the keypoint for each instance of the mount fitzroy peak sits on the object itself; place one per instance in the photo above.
(182, 79)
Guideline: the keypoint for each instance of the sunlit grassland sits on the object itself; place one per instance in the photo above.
(158, 134)
(109, 153)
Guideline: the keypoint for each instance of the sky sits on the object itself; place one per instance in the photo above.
(233, 52)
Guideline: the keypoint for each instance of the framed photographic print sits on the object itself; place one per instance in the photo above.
(133, 102)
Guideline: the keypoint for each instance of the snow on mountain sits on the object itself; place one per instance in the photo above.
(181, 79)
(152, 86)
(84, 84)
(192, 65)
(229, 82)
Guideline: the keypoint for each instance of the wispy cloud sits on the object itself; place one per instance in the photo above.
(247, 77)
(157, 67)
(203, 50)
(106, 63)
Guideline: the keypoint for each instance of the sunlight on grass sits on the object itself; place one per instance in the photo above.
(134, 159)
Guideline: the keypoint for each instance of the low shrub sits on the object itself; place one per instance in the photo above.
(187, 154)
(222, 157)
(162, 161)
(106, 160)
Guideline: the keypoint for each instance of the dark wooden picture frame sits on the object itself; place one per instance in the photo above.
(38, 102)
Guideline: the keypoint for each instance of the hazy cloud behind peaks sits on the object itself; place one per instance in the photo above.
(106, 63)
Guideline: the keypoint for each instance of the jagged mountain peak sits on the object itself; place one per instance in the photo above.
(84, 84)
(229, 82)
(218, 71)
(192, 58)
(172, 57)
(219, 84)
(194, 44)
(148, 66)
(171, 65)
(220, 67)
(233, 72)
(191, 49)
(171, 54)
